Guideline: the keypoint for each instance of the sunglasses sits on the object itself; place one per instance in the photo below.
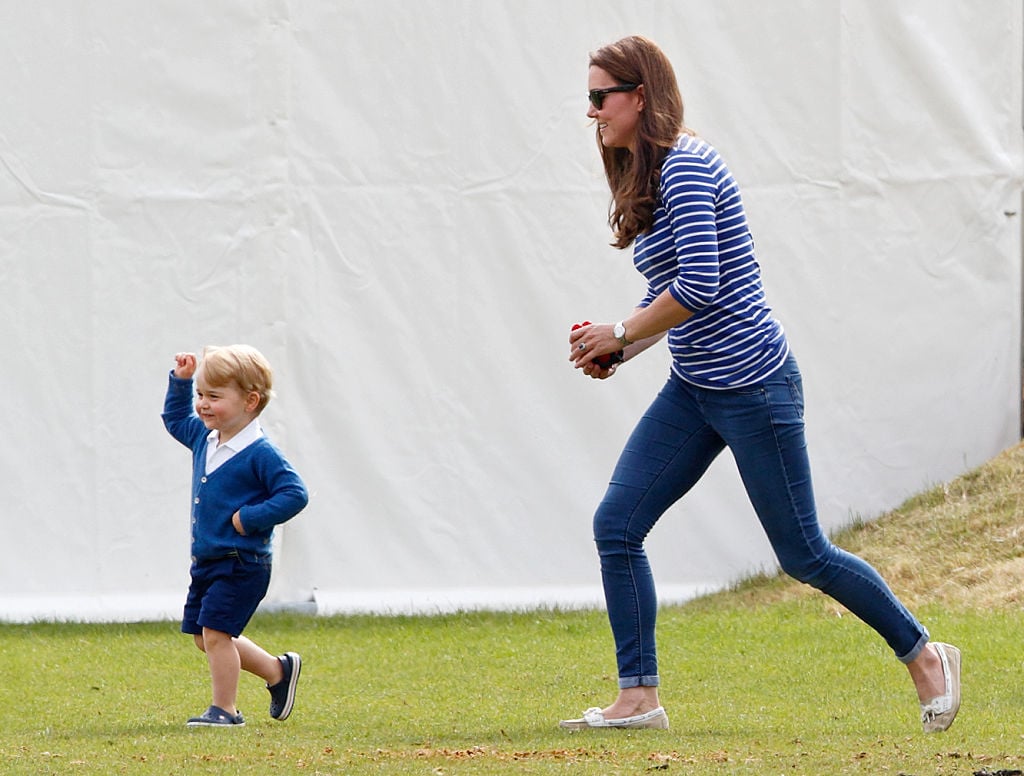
(597, 95)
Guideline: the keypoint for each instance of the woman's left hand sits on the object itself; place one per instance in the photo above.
(590, 341)
(236, 521)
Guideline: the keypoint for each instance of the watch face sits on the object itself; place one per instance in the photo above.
(619, 330)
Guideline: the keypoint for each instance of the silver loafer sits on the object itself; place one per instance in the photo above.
(938, 714)
(594, 718)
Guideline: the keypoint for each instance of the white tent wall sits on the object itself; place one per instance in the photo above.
(401, 204)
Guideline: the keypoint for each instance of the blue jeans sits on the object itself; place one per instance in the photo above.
(676, 440)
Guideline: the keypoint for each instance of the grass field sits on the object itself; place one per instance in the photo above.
(769, 678)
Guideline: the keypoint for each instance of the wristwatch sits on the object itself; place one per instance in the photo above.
(619, 332)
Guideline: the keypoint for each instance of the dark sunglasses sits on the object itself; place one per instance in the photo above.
(597, 95)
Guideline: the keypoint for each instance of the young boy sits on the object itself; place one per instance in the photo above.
(242, 487)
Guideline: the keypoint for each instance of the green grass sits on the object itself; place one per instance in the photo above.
(767, 679)
(785, 688)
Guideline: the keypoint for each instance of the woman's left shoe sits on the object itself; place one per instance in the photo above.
(938, 714)
(594, 718)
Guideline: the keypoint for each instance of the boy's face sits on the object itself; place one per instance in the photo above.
(224, 408)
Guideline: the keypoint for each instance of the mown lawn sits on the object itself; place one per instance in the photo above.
(783, 688)
(767, 678)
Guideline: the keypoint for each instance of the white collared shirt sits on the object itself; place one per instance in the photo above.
(217, 454)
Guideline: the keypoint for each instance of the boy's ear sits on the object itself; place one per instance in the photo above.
(252, 401)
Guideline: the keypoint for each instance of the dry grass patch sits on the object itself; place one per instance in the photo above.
(967, 534)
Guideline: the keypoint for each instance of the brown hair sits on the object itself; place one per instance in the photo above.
(240, 364)
(634, 177)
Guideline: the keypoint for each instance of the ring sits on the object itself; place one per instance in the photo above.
(583, 346)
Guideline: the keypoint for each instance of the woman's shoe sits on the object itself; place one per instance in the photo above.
(594, 718)
(938, 714)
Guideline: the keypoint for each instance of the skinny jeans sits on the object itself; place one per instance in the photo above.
(672, 446)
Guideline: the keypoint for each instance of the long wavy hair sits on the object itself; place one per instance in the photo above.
(634, 177)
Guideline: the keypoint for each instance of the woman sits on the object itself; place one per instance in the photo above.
(733, 383)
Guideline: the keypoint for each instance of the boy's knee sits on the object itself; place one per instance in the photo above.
(213, 639)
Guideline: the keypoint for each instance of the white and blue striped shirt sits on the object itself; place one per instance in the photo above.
(700, 249)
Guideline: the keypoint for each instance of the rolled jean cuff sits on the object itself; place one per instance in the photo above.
(913, 654)
(625, 682)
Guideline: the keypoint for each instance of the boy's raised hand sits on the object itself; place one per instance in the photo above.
(184, 365)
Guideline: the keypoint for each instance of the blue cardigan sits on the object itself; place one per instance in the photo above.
(257, 482)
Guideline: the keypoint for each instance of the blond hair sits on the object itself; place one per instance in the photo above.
(242, 365)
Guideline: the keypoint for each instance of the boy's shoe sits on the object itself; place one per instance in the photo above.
(215, 716)
(282, 694)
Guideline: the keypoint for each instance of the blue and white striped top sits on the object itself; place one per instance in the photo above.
(700, 249)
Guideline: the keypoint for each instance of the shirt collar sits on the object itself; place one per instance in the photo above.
(239, 441)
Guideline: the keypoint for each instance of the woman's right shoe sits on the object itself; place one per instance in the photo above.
(594, 718)
(938, 714)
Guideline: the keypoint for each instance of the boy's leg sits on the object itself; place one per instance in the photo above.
(256, 660)
(225, 663)
(234, 591)
(229, 602)
(280, 673)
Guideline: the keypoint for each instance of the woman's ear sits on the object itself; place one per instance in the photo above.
(640, 98)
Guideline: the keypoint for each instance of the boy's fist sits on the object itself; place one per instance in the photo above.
(184, 365)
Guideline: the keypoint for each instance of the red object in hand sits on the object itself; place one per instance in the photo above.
(606, 360)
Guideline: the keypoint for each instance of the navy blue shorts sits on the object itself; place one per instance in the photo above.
(224, 594)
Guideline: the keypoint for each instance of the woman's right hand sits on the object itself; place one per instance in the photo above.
(598, 373)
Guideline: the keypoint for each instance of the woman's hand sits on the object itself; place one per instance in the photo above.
(236, 521)
(598, 372)
(587, 343)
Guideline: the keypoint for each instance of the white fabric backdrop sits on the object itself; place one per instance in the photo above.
(401, 205)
